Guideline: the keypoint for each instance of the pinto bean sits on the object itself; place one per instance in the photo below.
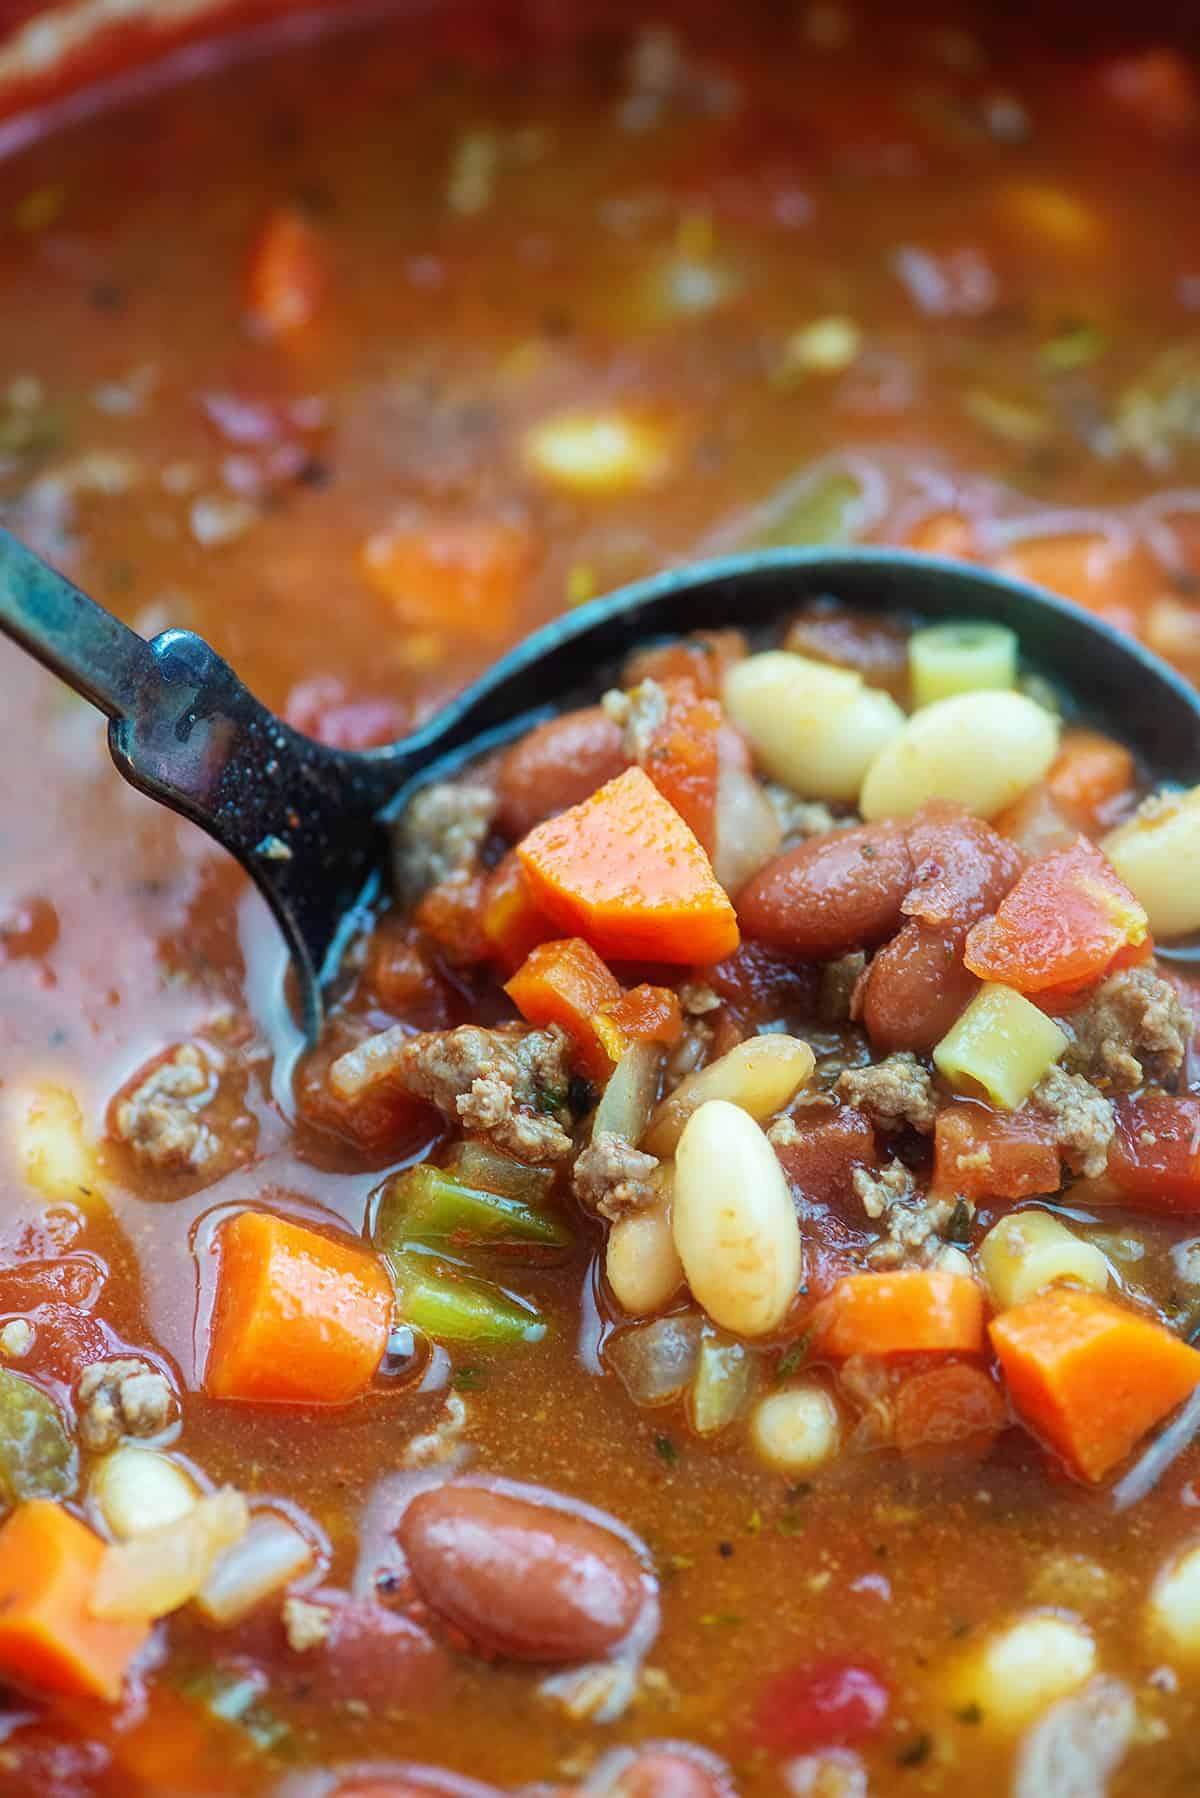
(962, 868)
(556, 765)
(521, 1578)
(832, 894)
(915, 989)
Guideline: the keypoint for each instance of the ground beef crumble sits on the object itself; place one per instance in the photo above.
(1134, 1028)
(611, 1177)
(440, 834)
(895, 1092)
(509, 1084)
(801, 818)
(128, 1397)
(1084, 1121)
(305, 1624)
(160, 1119)
(839, 979)
(913, 1223)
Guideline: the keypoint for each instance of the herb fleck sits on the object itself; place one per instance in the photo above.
(666, 1450)
(915, 1752)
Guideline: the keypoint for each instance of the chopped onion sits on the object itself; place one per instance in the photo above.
(656, 1361)
(137, 1489)
(270, 1555)
(631, 1093)
(747, 832)
(1072, 1749)
(153, 1574)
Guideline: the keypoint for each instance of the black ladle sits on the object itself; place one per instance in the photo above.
(310, 823)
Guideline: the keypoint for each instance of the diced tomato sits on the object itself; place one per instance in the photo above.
(682, 758)
(986, 1154)
(704, 659)
(827, 1146)
(648, 1014)
(1155, 1157)
(401, 972)
(1068, 922)
(1155, 88)
(945, 534)
(821, 1704)
(1037, 823)
(957, 1406)
(1100, 572)
(1091, 778)
(760, 984)
(287, 277)
(322, 708)
(510, 920)
(451, 913)
(454, 573)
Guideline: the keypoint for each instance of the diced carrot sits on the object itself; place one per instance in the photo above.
(1102, 573)
(1069, 921)
(453, 573)
(300, 1319)
(954, 1404)
(1089, 776)
(1155, 1158)
(174, 1732)
(451, 913)
(287, 277)
(682, 758)
(566, 983)
(911, 1311)
(986, 1154)
(646, 1014)
(704, 659)
(624, 871)
(49, 1641)
(944, 534)
(1089, 1377)
(511, 923)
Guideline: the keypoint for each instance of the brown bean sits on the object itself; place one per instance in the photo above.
(835, 893)
(962, 868)
(521, 1578)
(556, 765)
(915, 989)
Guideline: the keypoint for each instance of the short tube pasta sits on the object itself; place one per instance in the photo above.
(1030, 1250)
(1000, 1048)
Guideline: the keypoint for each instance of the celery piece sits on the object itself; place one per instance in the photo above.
(236, 1699)
(427, 1204)
(452, 1305)
(37, 1457)
(721, 1383)
(961, 657)
(823, 505)
(478, 1164)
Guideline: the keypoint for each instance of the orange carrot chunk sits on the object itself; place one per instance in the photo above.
(1089, 1377)
(911, 1311)
(1089, 778)
(49, 1641)
(287, 276)
(511, 923)
(624, 871)
(1068, 921)
(452, 573)
(566, 983)
(300, 1319)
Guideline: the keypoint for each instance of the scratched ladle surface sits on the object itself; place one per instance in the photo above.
(310, 824)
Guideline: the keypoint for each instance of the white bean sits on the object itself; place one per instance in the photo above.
(641, 1262)
(138, 1489)
(1157, 855)
(1174, 1609)
(1020, 1670)
(796, 1430)
(981, 750)
(813, 727)
(734, 1221)
(759, 1075)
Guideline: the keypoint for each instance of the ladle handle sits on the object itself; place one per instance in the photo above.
(70, 634)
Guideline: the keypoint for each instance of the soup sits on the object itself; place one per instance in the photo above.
(362, 361)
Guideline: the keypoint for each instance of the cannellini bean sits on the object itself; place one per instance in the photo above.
(598, 452)
(1157, 855)
(1173, 1612)
(1030, 1250)
(981, 750)
(641, 1262)
(813, 727)
(734, 1221)
(759, 1076)
(747, 830)
(1018, 1671)
(137, 1489)
(796, 1430)
(52, 1149)
(1000, 1048)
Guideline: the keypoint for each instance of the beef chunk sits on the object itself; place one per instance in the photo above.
(1084, 1121)
(892, 1093)
(1134, 1028)
(440, 834)
(128, 1397)
(161, 1118)
(612, 1177)
(509, 1084)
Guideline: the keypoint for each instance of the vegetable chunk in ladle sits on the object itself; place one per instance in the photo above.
(310, 823)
